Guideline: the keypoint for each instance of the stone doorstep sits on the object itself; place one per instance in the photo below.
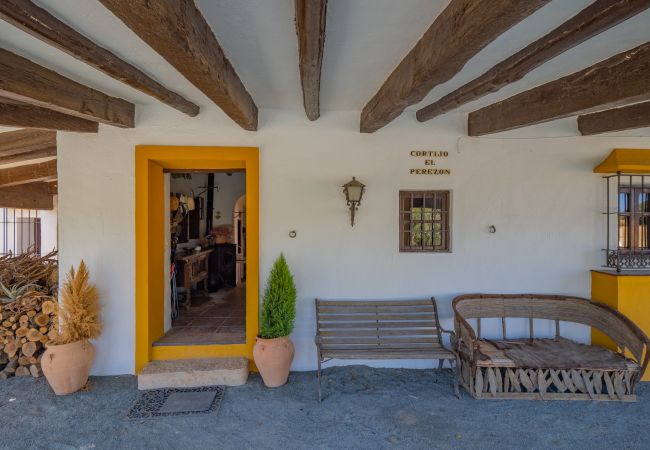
(189, 373)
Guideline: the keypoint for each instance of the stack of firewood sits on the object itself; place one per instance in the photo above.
(26, 326)
(28, 321)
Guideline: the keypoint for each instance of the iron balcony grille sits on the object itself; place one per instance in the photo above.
(628, 260)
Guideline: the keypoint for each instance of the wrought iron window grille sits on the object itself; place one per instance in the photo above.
(627, 221)
(20, 231)
(425, 221)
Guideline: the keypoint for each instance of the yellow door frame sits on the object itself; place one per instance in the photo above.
(150, 163)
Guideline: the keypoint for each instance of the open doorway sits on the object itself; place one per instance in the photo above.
(207, 294)
(153, 167)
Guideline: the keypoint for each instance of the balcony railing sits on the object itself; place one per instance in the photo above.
(626, 260)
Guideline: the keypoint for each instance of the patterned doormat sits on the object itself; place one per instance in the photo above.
(157, 403)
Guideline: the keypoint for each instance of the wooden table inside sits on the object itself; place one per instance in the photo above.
(193, 269)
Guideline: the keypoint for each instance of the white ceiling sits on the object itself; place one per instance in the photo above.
(365, 40)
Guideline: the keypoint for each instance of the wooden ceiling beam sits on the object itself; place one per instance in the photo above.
(31, 173)
(20, 141)
(16, 114)
(28, 82)
(27, 196)
(618, 80)
(617, 119)
(13, 143)
(311, 17)
(177, 30)
(594, 19)
(53, 187)
(27, 156)
(463, 29)
(42, 25)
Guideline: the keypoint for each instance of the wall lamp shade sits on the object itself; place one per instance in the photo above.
(353, 191)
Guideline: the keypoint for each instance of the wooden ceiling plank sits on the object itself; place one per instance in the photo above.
(31, 173)
(177, 30)
(311, 17)
(20, 141)
(27, 156)
(619, 80)
(15, 114)
(463, 29)
(591, 21)
(616, 119)
(28, 82)
(27, 196)
(44, 26)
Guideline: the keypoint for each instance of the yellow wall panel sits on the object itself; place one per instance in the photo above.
(628, 294)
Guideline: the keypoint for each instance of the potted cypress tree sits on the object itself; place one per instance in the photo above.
(67, 361)
(273, 350)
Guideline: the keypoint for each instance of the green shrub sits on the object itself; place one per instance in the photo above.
(279, 307)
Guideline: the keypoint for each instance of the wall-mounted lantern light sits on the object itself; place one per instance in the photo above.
(353, 191)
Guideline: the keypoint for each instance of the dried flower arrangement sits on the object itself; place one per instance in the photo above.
(79, 309)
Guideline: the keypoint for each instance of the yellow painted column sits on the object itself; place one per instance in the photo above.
(628, 293)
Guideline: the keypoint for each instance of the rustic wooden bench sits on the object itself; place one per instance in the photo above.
(379, 329)
(550, 368)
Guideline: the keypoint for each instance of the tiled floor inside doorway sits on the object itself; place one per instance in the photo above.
(219, 319)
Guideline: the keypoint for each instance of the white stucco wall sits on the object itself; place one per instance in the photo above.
(539, 193)
(231, 187)
(49, 228)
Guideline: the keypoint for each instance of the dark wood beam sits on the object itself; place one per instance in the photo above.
(310, 27)
(20, 141)
(44, 26)
(27, 196)
(26, 156)
(27, 82)
(53, 187)
(594, 19)
(179, 33)
(463, 29)
(617, 119)
(16, 114)
(618, 80)
(31, 173)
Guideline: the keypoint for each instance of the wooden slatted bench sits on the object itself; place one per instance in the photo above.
(547, 368)
(379, 329)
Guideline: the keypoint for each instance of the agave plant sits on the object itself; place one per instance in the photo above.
(15, 291)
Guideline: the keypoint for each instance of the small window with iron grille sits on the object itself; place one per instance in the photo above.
(20, 231)
(633, 219)
(425, 221)
(628, 221)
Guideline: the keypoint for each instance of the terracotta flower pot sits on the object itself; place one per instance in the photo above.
(273, 358)
(67, 366)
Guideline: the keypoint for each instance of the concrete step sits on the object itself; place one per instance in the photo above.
(185, 373)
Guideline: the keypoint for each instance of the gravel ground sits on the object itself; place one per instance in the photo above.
(364, 408)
